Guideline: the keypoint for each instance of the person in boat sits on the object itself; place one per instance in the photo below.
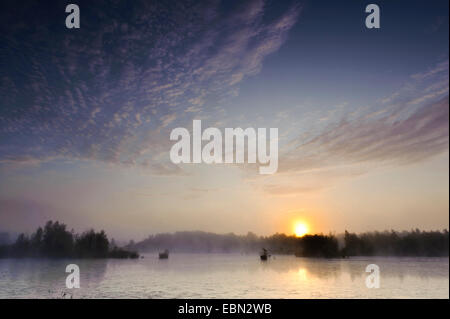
(264, 254)
(164, 254)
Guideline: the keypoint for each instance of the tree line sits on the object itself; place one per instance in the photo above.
(55, 241)
(412, 243)
(388, 243)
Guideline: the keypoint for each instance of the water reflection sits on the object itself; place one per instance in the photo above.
(227, 276)
(45, 278)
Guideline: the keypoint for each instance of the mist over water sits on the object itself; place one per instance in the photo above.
(226, 276)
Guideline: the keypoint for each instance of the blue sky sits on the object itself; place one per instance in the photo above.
(85, 115)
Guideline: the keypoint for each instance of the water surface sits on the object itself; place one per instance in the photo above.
(226, 276)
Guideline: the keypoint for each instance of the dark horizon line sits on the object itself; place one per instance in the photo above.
(334, 233)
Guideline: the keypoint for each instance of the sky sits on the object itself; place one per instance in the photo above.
(86, 115)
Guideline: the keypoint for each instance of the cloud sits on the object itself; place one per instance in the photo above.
(408, 126)
(439, 68)
(417, 137)
(287, 190)
(167, 119)
(89, 93)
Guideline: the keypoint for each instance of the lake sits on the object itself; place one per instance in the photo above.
(226, 276)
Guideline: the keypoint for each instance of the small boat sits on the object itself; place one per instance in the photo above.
(264, 255)
(164, 254)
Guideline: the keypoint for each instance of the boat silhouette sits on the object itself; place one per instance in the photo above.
(164, 254)
(264, 255)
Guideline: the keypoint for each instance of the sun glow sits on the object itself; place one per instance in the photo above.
(300, 229)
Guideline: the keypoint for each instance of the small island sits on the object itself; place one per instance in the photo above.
(55, 241)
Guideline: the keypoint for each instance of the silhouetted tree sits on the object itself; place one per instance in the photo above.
(56, 242)
(92, 245)
(21, 247)
(413, 243)
(318, 246)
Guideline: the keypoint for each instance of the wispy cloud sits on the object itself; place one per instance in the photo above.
(88, 95)
(413, 127)
(288, 190)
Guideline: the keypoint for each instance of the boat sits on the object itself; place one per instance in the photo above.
(164, 254)
(264, 255)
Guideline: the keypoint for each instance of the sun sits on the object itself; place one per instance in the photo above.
(301, 229)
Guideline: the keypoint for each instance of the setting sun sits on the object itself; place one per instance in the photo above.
(301, 229)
